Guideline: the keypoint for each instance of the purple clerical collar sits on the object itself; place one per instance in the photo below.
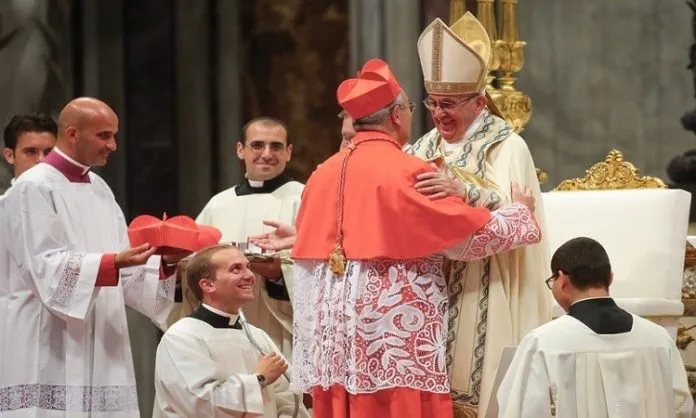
(71, 169)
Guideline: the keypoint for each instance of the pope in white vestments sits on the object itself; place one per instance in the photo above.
(598, 361)
(239, 212)
(63, 289)
(208, 364)
(493, 302)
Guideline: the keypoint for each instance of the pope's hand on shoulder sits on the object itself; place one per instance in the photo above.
(437, 185)
(523, 195)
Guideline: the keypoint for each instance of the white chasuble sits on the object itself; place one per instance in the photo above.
(64, 343)
(203, 370)
(495, 302)
(636, 374)
(240, 216)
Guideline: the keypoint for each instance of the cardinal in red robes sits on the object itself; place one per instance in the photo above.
(370, 316)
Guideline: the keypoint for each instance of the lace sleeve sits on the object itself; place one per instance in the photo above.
(146, 293)
(512, 226)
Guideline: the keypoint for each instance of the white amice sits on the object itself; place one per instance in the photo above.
(643, 231)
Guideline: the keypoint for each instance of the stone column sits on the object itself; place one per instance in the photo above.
(294, 56)
(228, 104)
(390, 30)
(36, 71)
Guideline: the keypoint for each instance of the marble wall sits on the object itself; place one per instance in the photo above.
(294, 55)
(603, 75)
(35, 52)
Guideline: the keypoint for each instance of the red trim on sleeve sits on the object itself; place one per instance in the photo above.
(108, 273)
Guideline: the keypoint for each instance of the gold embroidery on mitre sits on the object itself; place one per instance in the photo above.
(437, 54)
(444, 88)
(444, 74)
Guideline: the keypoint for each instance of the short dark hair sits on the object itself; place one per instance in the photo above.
(201, 267)
(27, 122)
(585, 262)
(265, 121)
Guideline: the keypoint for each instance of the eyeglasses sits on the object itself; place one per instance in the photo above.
(550, 280)
(411, 106)
(446, 105)
(259, 146)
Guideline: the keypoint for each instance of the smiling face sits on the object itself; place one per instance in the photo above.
(233, 282)
(93, 138)
(265, 150)
(453, 115)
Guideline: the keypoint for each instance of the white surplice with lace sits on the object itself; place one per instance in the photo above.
(64, 342)
(383, 324)
(637, 374)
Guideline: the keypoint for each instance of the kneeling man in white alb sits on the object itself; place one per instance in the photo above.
(598, 361)
(213, 363)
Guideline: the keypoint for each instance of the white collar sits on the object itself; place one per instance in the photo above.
(233, 317)
(593, 297)
(255, 183)
(84, 168)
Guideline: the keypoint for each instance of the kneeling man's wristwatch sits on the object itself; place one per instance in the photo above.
(262, 380)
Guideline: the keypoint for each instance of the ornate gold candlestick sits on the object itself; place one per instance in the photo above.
(515, 105)
(486, 15)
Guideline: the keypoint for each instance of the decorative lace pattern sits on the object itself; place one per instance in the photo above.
(381, 325)
(63, 294)
(69, 398)
(134, 283)
(511, 226)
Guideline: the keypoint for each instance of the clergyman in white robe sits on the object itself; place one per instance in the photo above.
(596, 362)
(63, 332)
(206, 368)
(238, 213)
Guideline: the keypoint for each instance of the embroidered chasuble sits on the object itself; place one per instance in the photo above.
(598, 361)
(206, 367)
(63, 332)
(238, 213)
(494, 302)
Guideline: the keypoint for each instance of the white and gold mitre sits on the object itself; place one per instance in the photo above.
(455, 59)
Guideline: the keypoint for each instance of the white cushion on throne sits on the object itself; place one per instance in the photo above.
(644, 232)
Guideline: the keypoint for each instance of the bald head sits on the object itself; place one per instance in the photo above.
(80, 111)
(87, 130)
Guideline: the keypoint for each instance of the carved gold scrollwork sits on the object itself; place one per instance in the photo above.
(613, 173)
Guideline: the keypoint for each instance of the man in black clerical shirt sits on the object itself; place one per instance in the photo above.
(580, 284)
(266, 192)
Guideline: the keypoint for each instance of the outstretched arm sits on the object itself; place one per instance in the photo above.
(510, 227)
